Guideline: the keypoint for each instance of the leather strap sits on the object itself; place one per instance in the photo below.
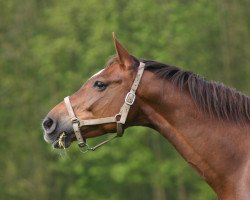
(75, 122)
(119, 119)
(90, 122)
(130, 97)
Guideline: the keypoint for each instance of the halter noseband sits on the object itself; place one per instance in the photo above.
(119, 119)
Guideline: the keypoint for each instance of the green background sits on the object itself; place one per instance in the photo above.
(48, 49)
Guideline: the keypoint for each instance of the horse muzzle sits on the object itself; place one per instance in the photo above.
(56, 133)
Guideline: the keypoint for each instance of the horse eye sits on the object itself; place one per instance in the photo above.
(100, 85)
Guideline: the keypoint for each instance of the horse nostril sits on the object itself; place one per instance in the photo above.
(48, 124)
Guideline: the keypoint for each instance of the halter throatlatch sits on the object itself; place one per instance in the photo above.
(119, 119)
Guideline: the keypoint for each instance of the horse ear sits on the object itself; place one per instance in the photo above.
(124, 57)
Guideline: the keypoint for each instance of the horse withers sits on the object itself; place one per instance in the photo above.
(207, 122)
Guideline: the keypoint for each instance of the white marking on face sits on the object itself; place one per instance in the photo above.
(96, 74)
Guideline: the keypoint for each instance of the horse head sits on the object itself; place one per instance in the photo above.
(97, 107)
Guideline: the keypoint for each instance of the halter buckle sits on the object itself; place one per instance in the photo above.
(74, 120)
(130, 98)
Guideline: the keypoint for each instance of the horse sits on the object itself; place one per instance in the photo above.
(208, 123)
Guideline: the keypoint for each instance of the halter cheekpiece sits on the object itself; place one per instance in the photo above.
(119, 119)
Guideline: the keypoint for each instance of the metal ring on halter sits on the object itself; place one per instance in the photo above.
(87, 149)
(74, 120)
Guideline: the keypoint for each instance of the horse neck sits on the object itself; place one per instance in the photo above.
(211, 145)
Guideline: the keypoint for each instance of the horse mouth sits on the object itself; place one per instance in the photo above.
(63, 140)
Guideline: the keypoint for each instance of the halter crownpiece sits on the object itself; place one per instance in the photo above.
(119, 119)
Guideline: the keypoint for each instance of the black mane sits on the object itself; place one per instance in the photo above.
(212, 97)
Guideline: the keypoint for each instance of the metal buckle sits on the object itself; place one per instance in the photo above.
(130, 98)
(74, 120)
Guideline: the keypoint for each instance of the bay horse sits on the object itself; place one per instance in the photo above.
(208, 123)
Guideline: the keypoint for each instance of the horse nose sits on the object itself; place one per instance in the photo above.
(49, 125)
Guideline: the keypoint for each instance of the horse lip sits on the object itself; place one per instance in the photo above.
(67, 141)
(53, 139)
(48, 138)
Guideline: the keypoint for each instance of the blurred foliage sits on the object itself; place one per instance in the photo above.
(49, 48)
